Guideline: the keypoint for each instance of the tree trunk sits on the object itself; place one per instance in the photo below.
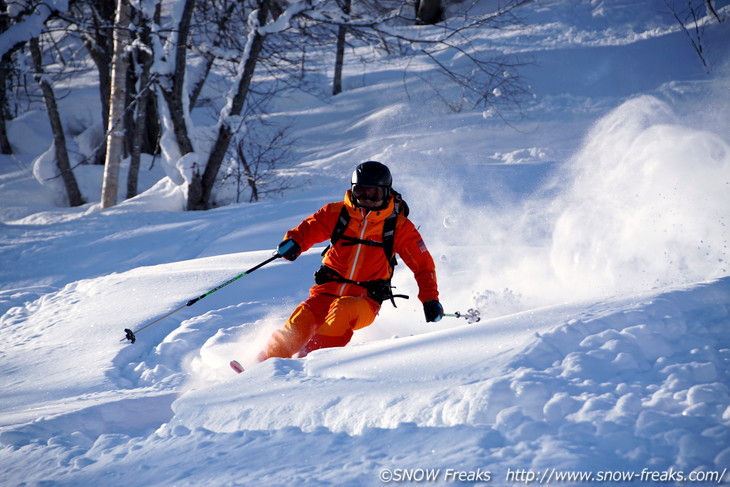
(171, 88)
(99, 44)
(340, 53)
(174, 96)
(5, 67)
(59, 138)
(139, 127)
(153, 127)
(5, 147)
(249, 173)
(116, 133)
(199, 198)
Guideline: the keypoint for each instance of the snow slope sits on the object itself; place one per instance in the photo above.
(593, 239)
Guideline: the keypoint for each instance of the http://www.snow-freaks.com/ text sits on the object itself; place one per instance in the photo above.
(548, 476)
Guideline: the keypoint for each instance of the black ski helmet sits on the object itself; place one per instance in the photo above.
(372, 173)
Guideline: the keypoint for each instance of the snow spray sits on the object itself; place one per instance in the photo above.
(648, 205)
(643, 203)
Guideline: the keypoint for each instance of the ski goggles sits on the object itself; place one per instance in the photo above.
(369, 193)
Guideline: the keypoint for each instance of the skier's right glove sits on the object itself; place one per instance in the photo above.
(433, 310)
(289, 249)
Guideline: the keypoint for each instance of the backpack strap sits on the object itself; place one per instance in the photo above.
(389, 237)
(381, 289)
(340, 226)
(338, 233)
(339, 229)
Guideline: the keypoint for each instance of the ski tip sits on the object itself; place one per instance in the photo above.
(236, 366)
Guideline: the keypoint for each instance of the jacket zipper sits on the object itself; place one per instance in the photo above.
(357, 254)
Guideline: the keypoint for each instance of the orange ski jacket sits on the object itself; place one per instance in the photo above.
(360, 262)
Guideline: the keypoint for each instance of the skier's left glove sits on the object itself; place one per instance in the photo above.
(289, 249)
(433, 310)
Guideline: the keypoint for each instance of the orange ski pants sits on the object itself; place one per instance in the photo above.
(321, 321)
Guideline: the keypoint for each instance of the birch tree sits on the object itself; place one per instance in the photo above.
(115, 139)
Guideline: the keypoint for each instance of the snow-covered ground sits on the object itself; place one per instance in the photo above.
(592, 236)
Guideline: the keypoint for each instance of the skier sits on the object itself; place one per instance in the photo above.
(365, 230)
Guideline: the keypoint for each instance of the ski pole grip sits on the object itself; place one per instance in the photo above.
(129, 335)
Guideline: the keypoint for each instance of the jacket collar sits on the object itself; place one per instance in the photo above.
(371, 215)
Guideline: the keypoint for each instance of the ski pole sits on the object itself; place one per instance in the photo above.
(132, 335)
(471, 315)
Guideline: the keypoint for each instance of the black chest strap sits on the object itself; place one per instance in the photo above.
(388, 243)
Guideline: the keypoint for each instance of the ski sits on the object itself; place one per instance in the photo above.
(236, 366)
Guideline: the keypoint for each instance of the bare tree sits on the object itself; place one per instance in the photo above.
(491, 81)
(486, 78)
(94, 20)
(218, 14)
(340, 50)
(171, 84)
(143, 124)
(690, 20)
(711, 8)
(6, 68)
(59, 137)
(185, 50)
(257, 158)
(202, 186)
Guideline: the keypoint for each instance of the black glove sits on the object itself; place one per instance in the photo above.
(433, 310)
(289, 249)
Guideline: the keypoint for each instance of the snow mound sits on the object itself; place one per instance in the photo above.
(646, 374)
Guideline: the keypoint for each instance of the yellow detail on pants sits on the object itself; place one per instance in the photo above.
(330, 316)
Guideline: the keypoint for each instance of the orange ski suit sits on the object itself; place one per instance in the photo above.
(334, 310)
